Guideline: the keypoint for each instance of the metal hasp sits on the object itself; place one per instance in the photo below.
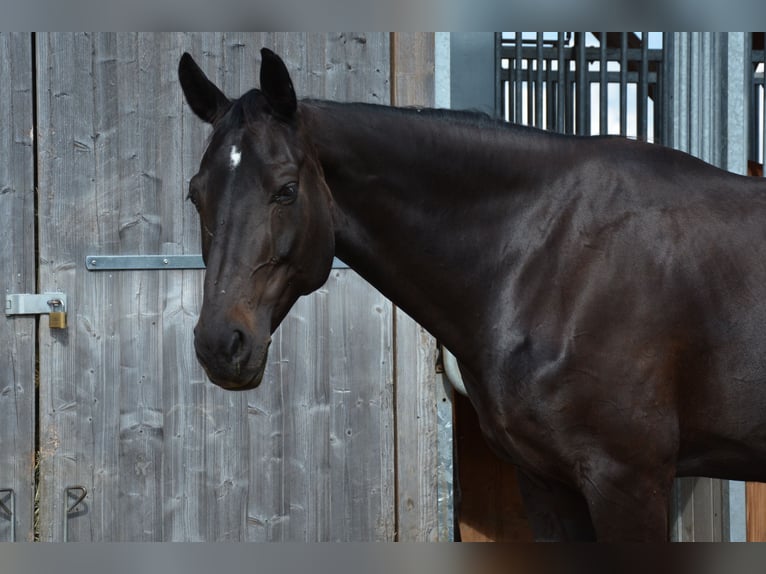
(136, 262)
(32, 304)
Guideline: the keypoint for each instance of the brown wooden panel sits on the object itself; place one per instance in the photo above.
(755, 495)
(490, 505)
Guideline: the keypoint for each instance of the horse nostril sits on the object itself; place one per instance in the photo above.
(235, 345)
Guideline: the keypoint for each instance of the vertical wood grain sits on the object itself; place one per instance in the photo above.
(756, 511)
(417, 383)
(321, 424)
(126, 410)
(698, 510)
(17, 262)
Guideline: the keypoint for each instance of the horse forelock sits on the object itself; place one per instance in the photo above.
(244, 111)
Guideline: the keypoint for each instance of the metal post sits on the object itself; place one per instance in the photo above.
(762, 97)
(517, 62)
(550, 97)
(530, 119)
(512, 79)
(643, 88)
(561, 88)
(583, 99)
(539, 81)
(623, 83)
(500, 80)
(603, 88)
(710, 106)
(758, 105)
(754, 120)
(667, 75)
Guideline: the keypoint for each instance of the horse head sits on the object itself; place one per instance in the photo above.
(265, 220)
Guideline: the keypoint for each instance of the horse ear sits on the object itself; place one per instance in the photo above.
(276, 84)
(202, 95)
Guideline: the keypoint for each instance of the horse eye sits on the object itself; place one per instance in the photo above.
(287, 194)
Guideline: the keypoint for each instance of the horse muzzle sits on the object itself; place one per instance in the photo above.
(232, 360)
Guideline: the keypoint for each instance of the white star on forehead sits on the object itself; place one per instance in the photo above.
(235, 157)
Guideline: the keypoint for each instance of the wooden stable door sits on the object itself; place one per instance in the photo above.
(97, 147)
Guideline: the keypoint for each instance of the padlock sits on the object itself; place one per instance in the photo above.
(57, 316)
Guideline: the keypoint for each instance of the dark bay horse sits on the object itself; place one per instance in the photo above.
(605, 299)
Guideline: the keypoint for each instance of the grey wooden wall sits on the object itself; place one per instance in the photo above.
(338, 443)
(17, 269)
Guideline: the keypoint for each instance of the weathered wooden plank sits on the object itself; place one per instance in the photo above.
(696, 510)
(126, 410)
(110, 156)
(17, 262)
(321, 424)
(362, 422)
(329, 446)
(417, 440)
(418, 387)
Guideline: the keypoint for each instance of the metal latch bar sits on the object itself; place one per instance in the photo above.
(34, 304)
(128, 262)
(148, 262)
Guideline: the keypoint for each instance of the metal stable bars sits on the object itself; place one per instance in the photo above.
(549, 81)
(589, 83)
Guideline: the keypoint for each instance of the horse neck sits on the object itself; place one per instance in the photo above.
(415, 199)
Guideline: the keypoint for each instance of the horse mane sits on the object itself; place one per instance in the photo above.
(252, 103)
(466, 118)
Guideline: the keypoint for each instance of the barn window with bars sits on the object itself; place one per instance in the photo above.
(582, 83)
